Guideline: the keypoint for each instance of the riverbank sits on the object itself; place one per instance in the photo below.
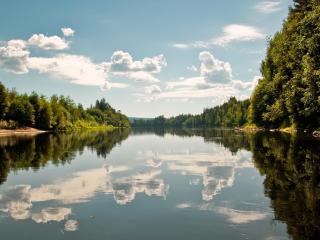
(21, 131)
(253, 128)
(33, 131)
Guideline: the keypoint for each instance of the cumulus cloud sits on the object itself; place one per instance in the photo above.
(79, 69)
(48, 42)
(153, 89)
(122, 64)
(268, 6)
(231, 33)
(215, 81)
(68, 32)
(213, 69)
(213, 73)
(150, 93)
(14, 57)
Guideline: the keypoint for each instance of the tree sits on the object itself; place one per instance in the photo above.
(288, 95)
(21, 111)
(4, 103)
(45, 116)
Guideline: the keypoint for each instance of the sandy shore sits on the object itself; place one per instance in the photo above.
(20, 131)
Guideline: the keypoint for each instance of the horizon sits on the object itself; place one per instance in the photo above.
(147, 59)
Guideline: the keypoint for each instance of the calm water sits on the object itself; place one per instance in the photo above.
(213, 184)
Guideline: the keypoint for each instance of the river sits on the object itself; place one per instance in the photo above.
(164, 184)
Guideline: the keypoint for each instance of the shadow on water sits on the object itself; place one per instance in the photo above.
(34, 152)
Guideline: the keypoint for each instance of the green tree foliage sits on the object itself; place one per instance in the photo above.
(21, 111)
(289, 92)
(3, 101)
(230, 114)
(57, 113)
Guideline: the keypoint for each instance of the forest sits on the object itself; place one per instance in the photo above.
(56, 113)
(230, 114)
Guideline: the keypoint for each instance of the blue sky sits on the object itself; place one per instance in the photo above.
(145, 57)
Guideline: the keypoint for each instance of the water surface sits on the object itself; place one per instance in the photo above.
(174, 184)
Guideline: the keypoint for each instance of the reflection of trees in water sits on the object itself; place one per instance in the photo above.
(228, 138)
(59, 148)
(291, 165)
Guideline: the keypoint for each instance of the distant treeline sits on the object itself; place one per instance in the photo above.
(230, 114)
(56, 113)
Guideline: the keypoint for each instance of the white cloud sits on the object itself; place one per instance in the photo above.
(231, 33)
(192, 68)
(268, 6)
(214, 70)
(150, 93)
(48, 43)
(14, 57)
(215, 81)
(153, 89)
(67, 32)
(237, 32)
(180, 45)
(122, 64)
(79, 69)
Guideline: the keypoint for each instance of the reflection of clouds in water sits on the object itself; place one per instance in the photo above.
(51, 214)
(217, 168)
(71, 225)
(151, 158)
(241, 217)
(184, 205)
(82, 186)
(233, 216)
(215, 179)
(79, 188)
(194, 182)
(16, 201)
(125, 189)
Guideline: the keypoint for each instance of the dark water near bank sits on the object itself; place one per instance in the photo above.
(177, 184)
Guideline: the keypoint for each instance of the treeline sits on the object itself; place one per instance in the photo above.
(233, 113)
(55, 113)
(288, 95)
